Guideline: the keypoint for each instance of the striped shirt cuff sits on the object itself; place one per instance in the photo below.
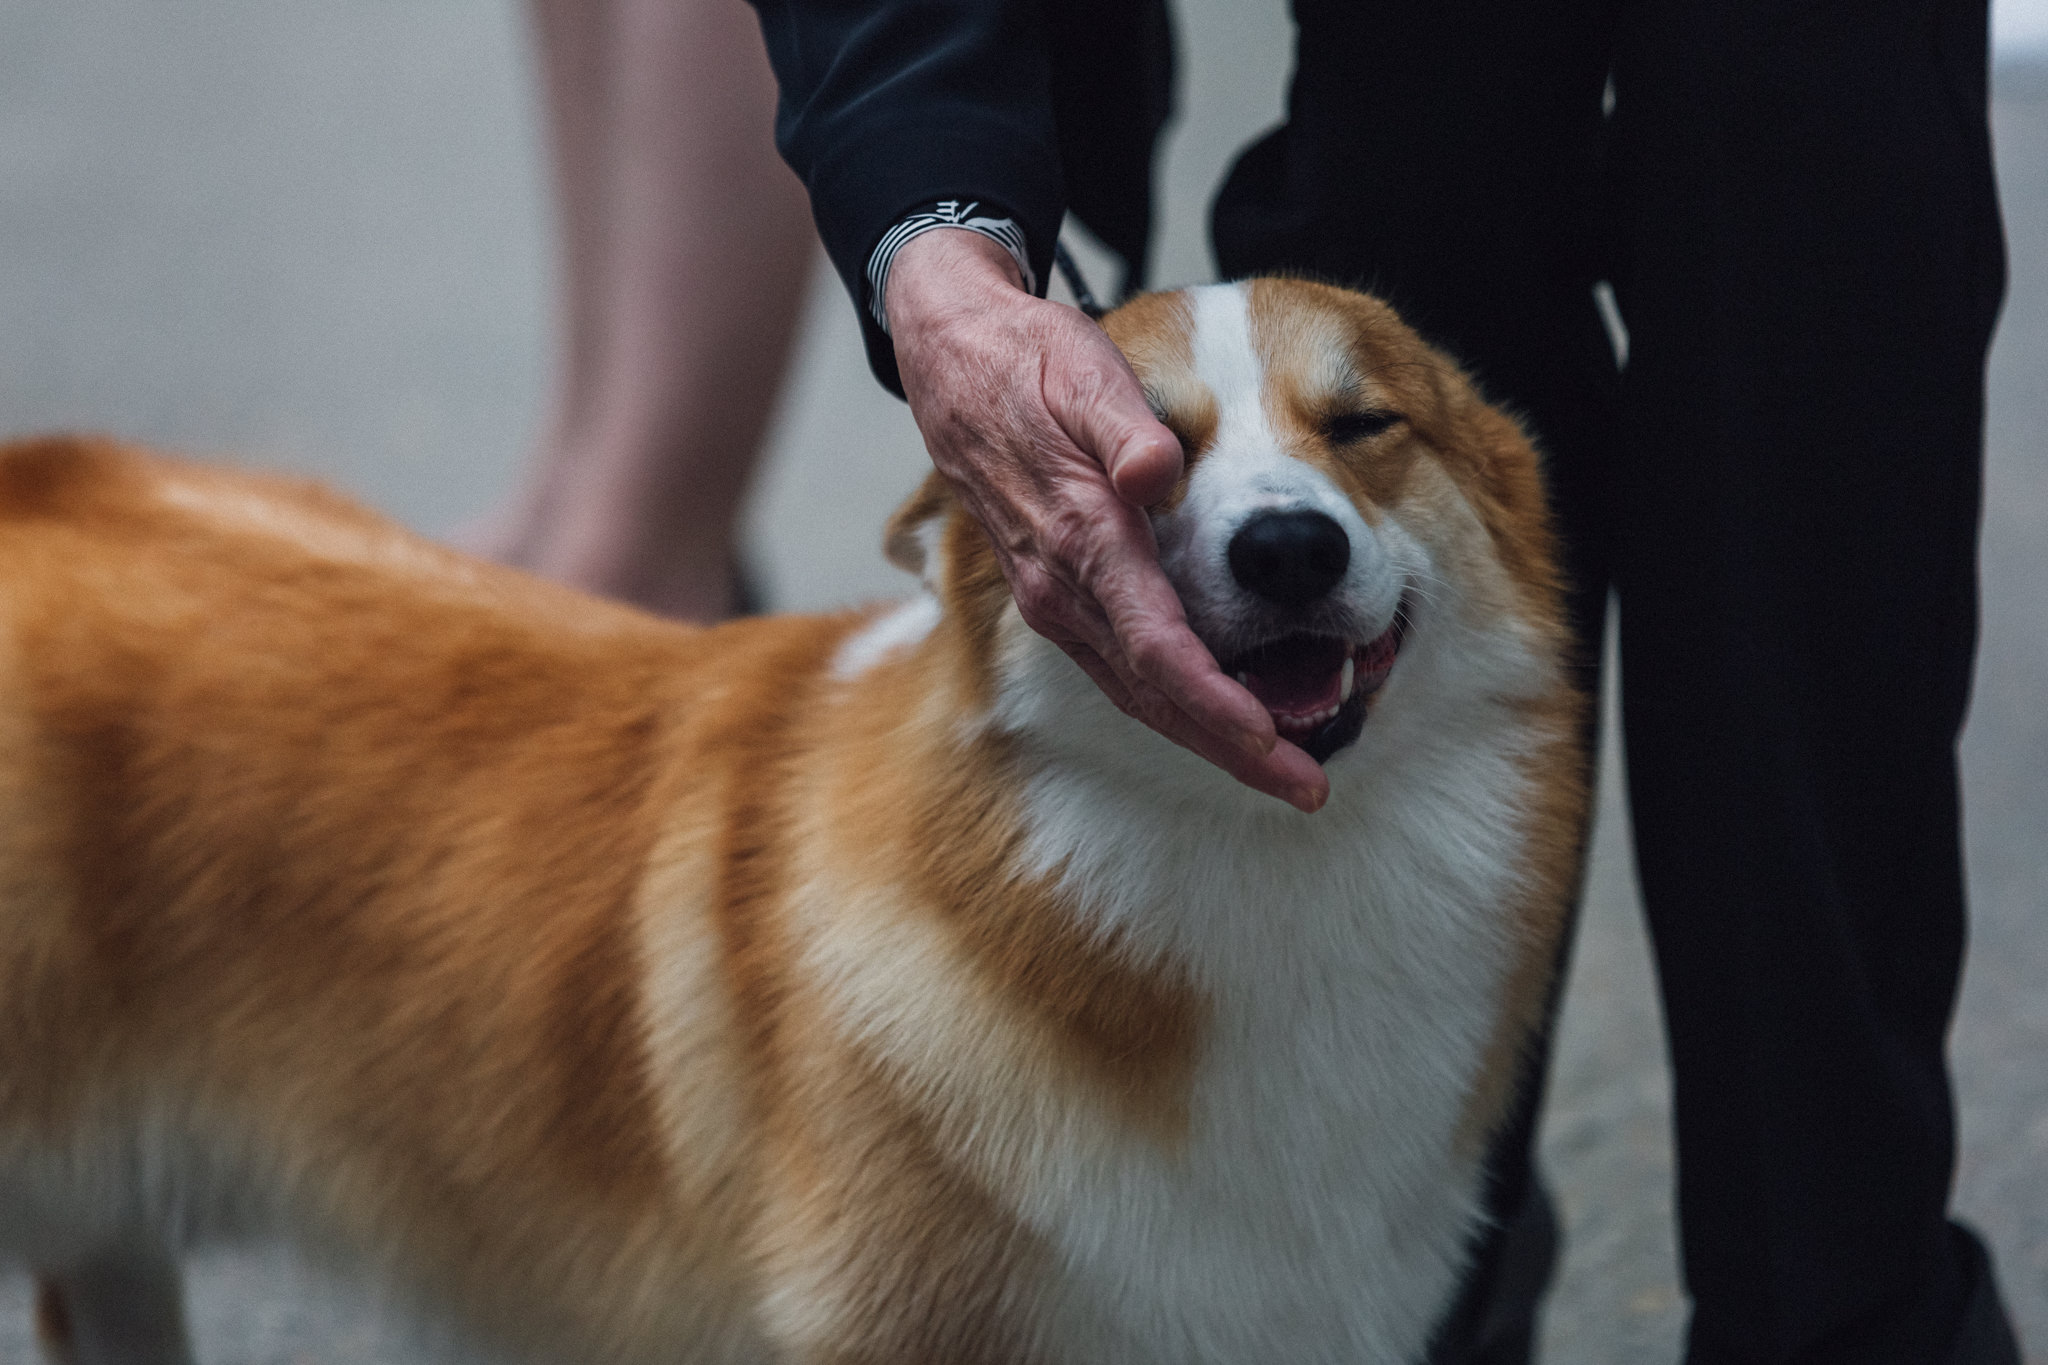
(947, 213)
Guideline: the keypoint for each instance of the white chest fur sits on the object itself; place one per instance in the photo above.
(1354, 960)
(1320, 1207)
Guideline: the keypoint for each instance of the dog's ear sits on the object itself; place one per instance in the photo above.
(912, 539)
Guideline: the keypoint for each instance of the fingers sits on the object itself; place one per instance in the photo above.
(1091, 582)
(1102, 409)
(1141, 630)
(1285, 771)
(1153, 645)
(1227, 726)
(1177, 689)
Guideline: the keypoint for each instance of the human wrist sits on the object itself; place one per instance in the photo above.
(970, 215)
(946, 270)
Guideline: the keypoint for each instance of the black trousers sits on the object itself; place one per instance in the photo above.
(1795, 208)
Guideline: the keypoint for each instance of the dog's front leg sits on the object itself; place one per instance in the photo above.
(122, 1305)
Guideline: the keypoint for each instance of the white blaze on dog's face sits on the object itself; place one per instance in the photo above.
(1346, 490)
(1357, 537)
(1297, 595)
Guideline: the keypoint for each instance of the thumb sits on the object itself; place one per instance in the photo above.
(1146, 464)
(1108, 417)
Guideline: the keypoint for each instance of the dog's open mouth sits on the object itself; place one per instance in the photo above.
(1316, 686)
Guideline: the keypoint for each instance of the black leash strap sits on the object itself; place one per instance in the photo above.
(1084, 298)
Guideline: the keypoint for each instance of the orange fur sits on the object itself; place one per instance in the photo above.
(515, 943)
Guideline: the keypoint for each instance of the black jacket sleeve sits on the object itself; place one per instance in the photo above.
(888, 105)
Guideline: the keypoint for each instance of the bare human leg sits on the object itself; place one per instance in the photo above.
(685, 251)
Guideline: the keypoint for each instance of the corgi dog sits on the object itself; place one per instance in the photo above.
(858, 989)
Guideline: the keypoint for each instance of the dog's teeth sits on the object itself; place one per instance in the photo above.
(1345, 682)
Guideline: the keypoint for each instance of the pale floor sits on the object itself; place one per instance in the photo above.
(312, 235)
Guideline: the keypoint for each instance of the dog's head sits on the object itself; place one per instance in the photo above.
(1347, 496)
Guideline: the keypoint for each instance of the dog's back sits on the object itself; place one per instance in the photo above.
(320, 866)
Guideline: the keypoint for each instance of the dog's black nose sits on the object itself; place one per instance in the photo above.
(1290, 558)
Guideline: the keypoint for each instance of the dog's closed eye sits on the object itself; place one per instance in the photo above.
(1346, 427)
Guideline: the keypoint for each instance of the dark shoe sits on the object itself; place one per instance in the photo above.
(1953, 1317)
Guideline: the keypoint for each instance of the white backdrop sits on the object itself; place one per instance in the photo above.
(2020, 27)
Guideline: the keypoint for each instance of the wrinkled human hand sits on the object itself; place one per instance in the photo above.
(1034, 417)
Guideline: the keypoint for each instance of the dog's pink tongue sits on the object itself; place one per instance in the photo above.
(1296, 677)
